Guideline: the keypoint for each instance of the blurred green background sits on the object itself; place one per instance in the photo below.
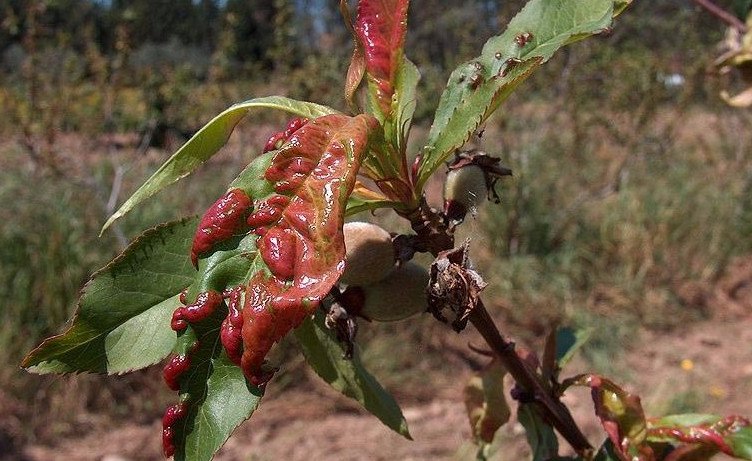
(631, 196)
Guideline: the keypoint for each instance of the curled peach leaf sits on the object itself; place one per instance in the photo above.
(380, 28)
(300, 230)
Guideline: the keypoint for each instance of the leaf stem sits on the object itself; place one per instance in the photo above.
(555, 412)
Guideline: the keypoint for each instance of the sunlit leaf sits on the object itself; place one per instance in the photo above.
(229, 400)
(123, 319)
(268, 272)
(207, 141)
(477, 88)
(325, 355)
(364, 199)
(392, 80)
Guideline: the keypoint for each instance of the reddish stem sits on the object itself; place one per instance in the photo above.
(555, 412)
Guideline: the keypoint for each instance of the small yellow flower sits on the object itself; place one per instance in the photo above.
(717, 391)
(687, 365)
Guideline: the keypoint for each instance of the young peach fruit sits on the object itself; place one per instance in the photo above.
(464, 189)
(400, 295)
(370, 254)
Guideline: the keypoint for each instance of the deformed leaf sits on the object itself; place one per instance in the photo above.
(122, 321)
(476, 88)
(381, 27)
(325, 355)
(300, 228)
(621, 416)
(214, 393)
(486, 406)
(259, 278)
(731, 435)
(357, 67)
(392, 80)
(207, 141)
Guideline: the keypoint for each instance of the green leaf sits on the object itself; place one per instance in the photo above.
(229, 401)
(122, 322)
(206, 142)
(477, 88)
(214, 389)
(325, 355)
(568, 342)
(359, 204)
(740, 442)
(405, 102)
(540, 435)
(219, 399)
(486, 406)
(364, 199)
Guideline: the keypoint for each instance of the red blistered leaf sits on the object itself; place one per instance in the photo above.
(729, 435)
(172, 415)
(380, 27)
(225, 218)
(300, 229)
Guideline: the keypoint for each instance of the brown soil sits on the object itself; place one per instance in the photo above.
(706, 366)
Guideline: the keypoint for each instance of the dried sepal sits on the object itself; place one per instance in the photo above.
(454, 287)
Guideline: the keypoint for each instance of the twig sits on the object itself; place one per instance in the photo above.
(553, 410)
(437, 237)
(723, 15)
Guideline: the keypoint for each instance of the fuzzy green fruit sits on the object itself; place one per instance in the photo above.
(464, 189)
(370, 254)
(400, 295)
